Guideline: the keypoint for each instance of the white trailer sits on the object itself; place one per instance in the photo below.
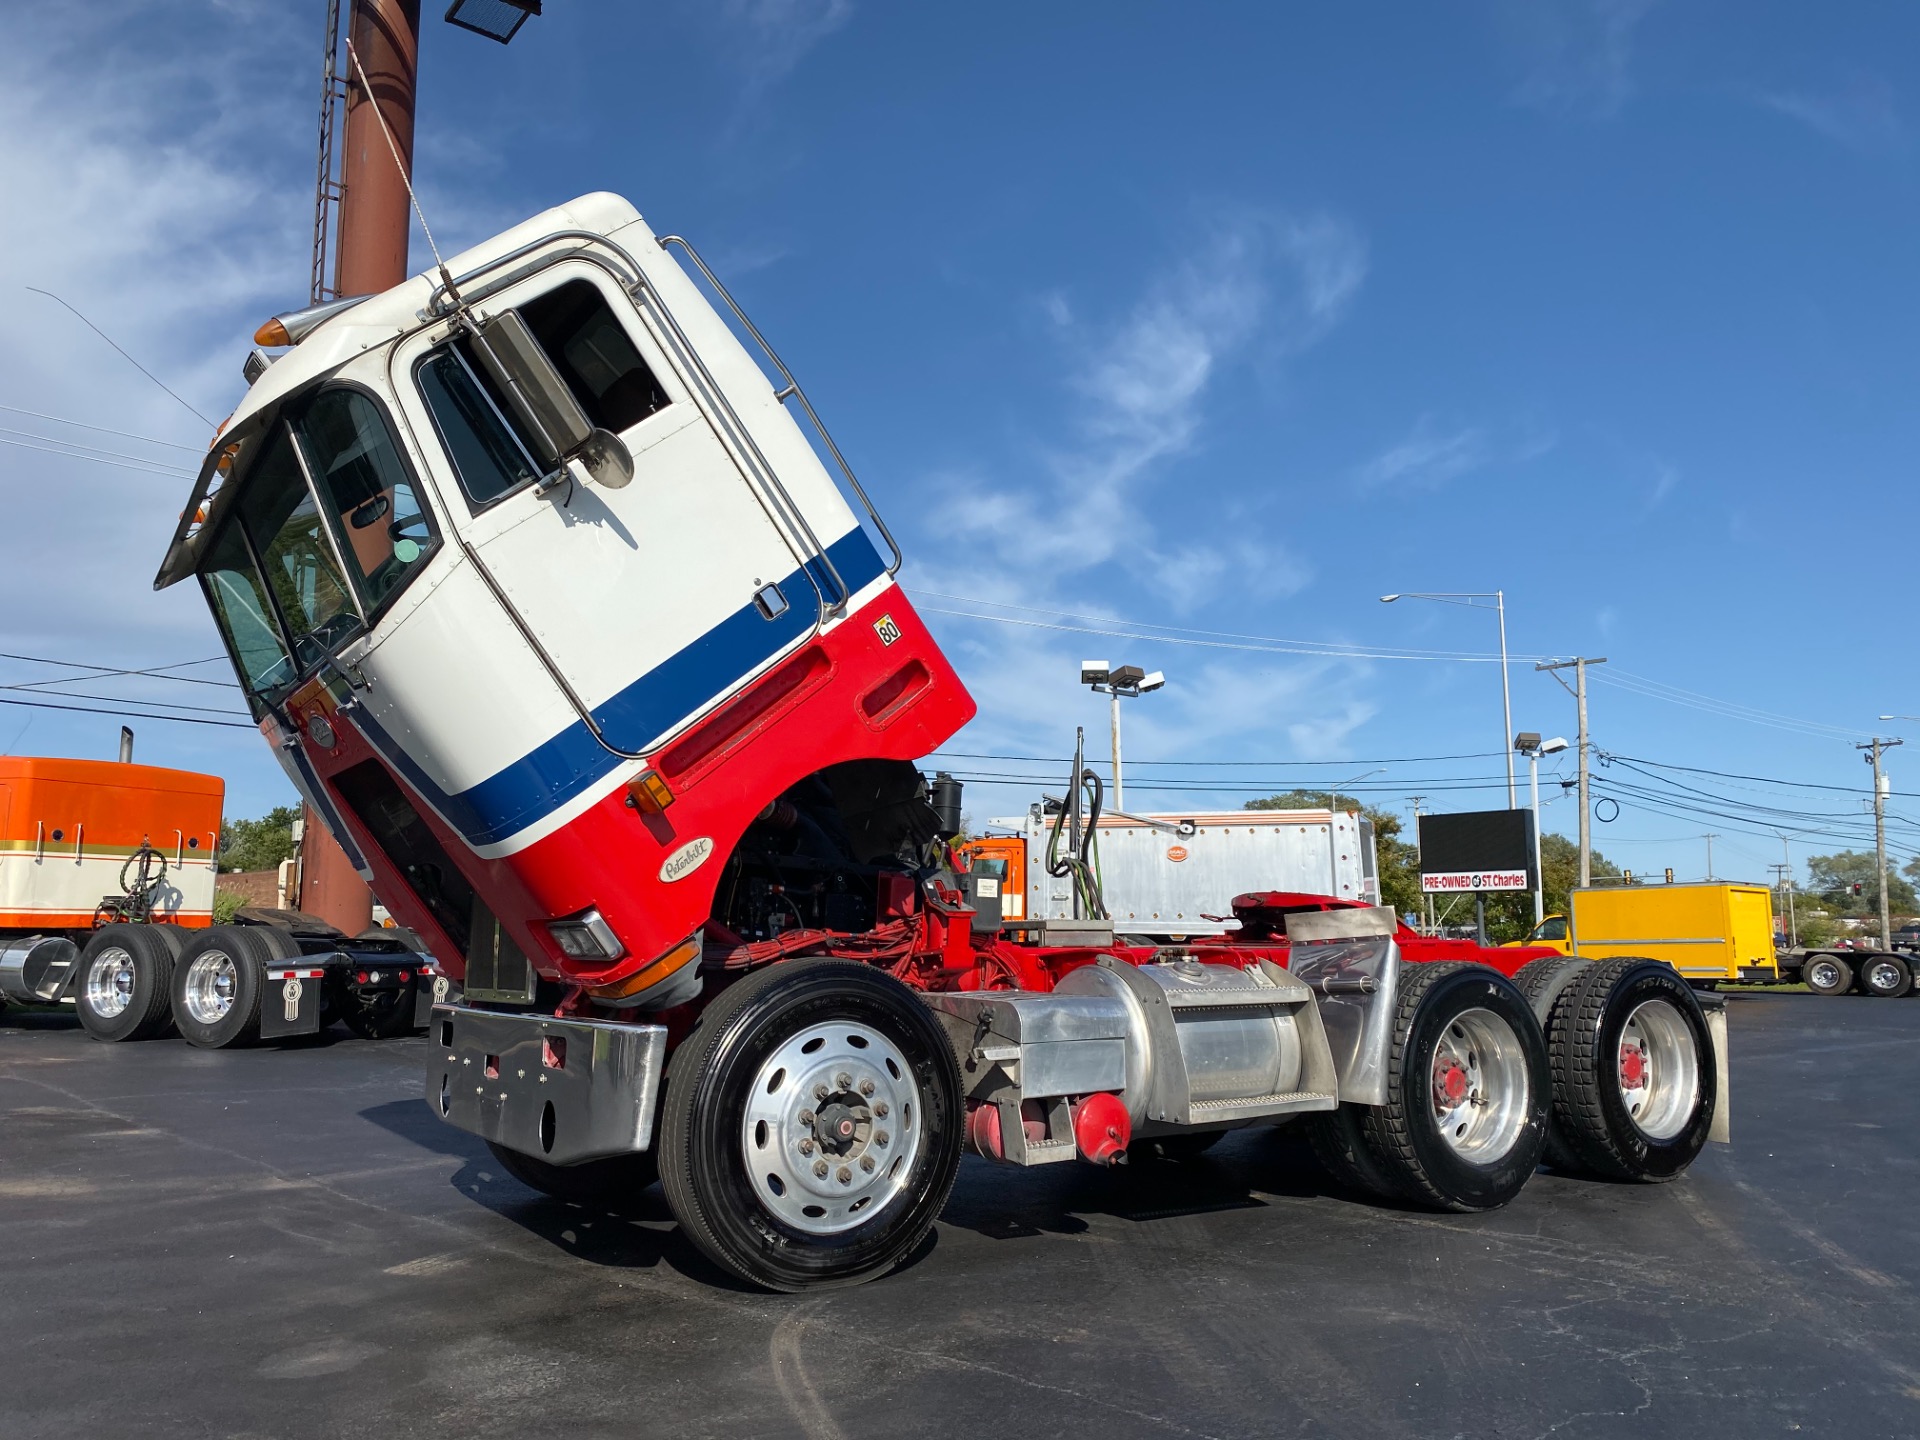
(1172, 875)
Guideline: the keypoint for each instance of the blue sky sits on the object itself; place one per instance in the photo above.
(1226, 317)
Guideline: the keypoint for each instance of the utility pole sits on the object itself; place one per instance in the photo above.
(1793, 928)
(1783, 878)
(1579, 665)
(1875, 749)
(1426, 901)
(1710, 839)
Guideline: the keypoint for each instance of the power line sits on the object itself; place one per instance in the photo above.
(141, 467)
(129, 714)
(104, 430)
(116, 345)
(1229, 764)
(105, 672)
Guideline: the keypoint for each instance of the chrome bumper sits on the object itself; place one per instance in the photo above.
(563, 1091)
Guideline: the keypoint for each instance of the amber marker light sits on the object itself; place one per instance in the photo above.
(272, 333)
(648, 793)
(647, 976)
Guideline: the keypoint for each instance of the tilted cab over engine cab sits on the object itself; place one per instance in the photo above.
(549, 607)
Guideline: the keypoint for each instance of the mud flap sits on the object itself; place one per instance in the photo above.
(294, 995)
(1722, 1130)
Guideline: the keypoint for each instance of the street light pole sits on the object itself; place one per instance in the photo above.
(1468, 598)
(1118, 682)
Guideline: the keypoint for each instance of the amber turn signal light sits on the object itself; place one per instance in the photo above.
(647, 976)
(272, 333)
(648, 793)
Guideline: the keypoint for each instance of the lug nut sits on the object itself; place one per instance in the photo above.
(820, 1092)
(866, 1163)
(820, 1168)
(880, 1109)
(843, 1080)
(879, 1137)
(806, 1117)
(806, 1147)
(866, 1087)
(846, 1175)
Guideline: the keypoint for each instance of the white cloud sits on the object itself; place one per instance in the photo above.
(1432, 455)
(1141, 383)
(768, 38)
(1577, 54)
(1426, 459)
(1862, 115)
(139, 188)
(1089, 528)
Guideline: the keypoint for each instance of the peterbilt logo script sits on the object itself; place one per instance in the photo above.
(687, 859)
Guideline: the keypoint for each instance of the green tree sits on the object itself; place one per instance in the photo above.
(1832, 878)
(258, 844)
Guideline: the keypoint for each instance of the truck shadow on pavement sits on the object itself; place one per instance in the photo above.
(641, 1234)
(1245, 1171)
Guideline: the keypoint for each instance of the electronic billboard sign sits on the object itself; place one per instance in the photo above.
(1476, 850)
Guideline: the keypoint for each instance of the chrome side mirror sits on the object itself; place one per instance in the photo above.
(518, 366)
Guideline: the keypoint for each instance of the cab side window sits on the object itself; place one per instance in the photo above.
(592, 351)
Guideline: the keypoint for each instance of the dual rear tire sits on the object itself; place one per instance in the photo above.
(1606, 1070)
(122, 989)
(1468, 1097)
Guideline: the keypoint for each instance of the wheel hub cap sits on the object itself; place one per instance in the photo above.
(110, 982)
(1659, 1069)
(1480, 1086)
(832, 1127)
(212, 980)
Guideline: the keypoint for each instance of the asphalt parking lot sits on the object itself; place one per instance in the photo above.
(285, 1243)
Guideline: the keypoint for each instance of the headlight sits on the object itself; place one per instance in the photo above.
(586, 936)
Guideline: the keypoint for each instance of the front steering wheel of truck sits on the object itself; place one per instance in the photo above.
(811, 1130)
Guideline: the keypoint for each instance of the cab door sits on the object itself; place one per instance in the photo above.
(652, 601)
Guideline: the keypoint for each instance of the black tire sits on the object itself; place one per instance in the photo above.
(1469, 1009)
(1173, 1149)
(1543, 982)
(226, 965)
(702, 1139)
(613, 1184)
(1884, 977)
(1826, 974)
(1594, 1114)
(121, 989)
(1340, 1144)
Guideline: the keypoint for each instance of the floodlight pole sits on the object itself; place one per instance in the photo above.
(1539, 870)
(1119, 795)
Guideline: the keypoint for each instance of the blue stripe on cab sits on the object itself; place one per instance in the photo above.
(562, 768)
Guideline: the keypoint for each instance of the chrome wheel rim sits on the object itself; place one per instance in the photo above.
(1479, 1088)
(212, 979)
(1658, 1069)
(1883, 975)
(833, 1125)
(110, 982)
(1823, 973)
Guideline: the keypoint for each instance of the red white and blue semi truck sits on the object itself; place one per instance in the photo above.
(549, 606)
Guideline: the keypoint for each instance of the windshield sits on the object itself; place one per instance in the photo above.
(289, 584)
(357, 468)
(245, 614)
(278, 515)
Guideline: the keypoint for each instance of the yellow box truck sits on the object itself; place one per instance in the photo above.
(1711, 931)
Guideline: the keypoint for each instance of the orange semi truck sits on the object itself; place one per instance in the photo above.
(106, 900)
